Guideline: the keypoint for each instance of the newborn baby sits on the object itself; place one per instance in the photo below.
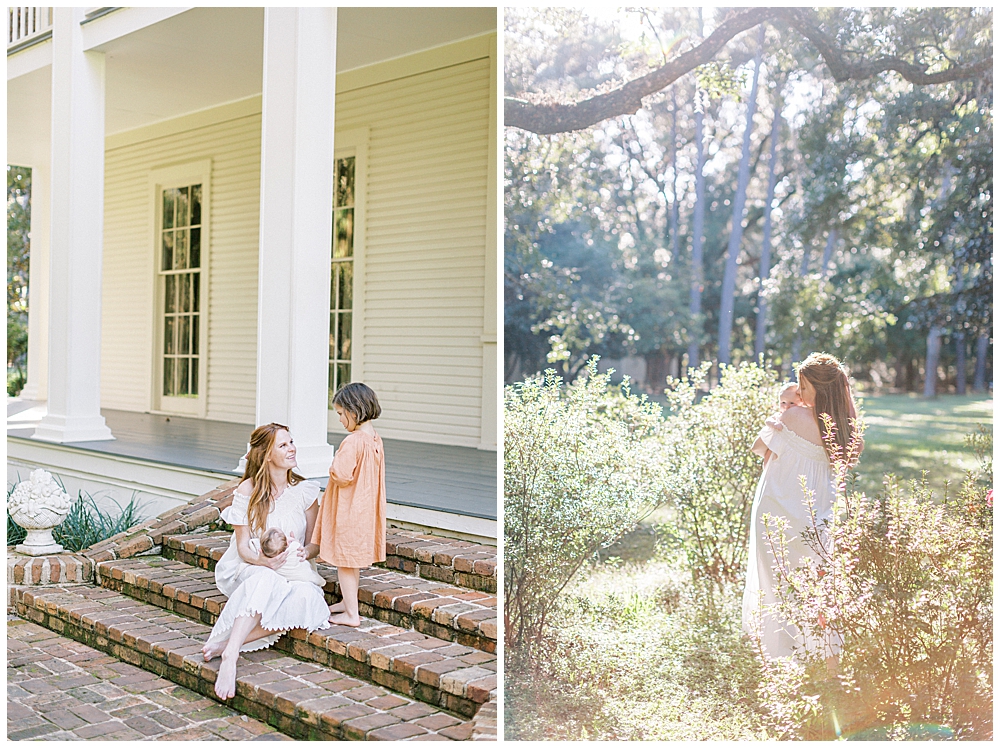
(788, 395)
(294, 569)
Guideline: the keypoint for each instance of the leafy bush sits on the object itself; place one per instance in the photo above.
(619, 664)
(905, 582)
(712, 474)
(579, 471)
(86, 524)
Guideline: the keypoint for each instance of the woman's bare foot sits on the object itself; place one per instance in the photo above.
(225, 682)
(211, 650)
(342, 619)
(337, 607)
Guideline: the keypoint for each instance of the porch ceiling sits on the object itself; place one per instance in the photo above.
(208, 56)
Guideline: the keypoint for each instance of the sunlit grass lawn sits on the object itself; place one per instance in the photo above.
(633, 656)
(907, 434)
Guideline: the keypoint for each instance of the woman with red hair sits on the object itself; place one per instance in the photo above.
(263, 604)
(804, 446)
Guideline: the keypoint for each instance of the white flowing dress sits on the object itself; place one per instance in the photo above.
(283, 604)
(779, 493)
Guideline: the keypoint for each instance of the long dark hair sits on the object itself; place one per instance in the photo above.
(261, 443)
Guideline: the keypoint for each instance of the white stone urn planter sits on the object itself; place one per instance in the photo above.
(38, 505)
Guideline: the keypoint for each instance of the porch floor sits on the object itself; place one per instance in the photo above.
(458, 480)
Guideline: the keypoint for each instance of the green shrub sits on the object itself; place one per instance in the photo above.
(15, 533)
(618, 664)
(712, 474)
(905, 582)
(86, 524)
(579, 471)
(16, 379)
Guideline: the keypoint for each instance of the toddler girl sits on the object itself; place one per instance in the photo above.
(295, 569)
(350, 530)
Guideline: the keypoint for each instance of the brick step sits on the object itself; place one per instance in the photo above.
(428, 668)
(456, 562)
(306, 700)
(445, 611)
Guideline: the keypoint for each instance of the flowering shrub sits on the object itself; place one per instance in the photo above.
(580, 470)
(904, 581)
(712, 474)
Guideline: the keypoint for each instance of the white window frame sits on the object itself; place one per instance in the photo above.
(348, 143)
(167, 177)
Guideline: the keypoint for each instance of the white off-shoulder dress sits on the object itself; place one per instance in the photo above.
(779, 494)
(282, 604)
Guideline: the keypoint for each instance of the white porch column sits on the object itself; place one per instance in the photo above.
(491, 383)
(77, 227)
(296, 204)
(36, 388)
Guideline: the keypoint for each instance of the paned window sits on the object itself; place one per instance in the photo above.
(180, 285)
(342, 274)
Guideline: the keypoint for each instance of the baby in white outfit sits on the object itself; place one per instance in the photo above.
(294, 569)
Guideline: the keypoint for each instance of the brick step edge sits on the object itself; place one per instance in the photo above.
(457, 562)
(62, 568)
(281, 691)
(442, 673)
(484, 724)
(469, 618)
(454, 562)
(148, 535)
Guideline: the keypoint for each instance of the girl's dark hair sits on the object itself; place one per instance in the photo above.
(359, 400)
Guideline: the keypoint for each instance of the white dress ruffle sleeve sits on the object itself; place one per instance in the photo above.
(779, 494)
(282, 603)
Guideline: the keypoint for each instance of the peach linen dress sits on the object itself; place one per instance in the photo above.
(350, 531)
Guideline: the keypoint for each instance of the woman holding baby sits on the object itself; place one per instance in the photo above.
(270, 590)
(797, 446)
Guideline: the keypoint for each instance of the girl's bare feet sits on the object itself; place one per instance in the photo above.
(225, 682)
(337, 607)
(342, 619)
(211, 650)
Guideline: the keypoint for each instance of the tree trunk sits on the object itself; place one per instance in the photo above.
(797, 341)
(675, 208)
(900, 381)
(979, 378)
(728, 300)
(960, 363)
(831, 240)
(765, 245)
(931, 363)
(698, 228)
(960, 335)
(657, 371)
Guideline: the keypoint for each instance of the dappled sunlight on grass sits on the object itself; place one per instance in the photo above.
(907, 434)
(634, 657)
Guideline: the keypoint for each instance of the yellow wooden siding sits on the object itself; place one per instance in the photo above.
(423, 283)
(127, 305)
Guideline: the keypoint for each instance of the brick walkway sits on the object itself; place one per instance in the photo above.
(59, 689)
